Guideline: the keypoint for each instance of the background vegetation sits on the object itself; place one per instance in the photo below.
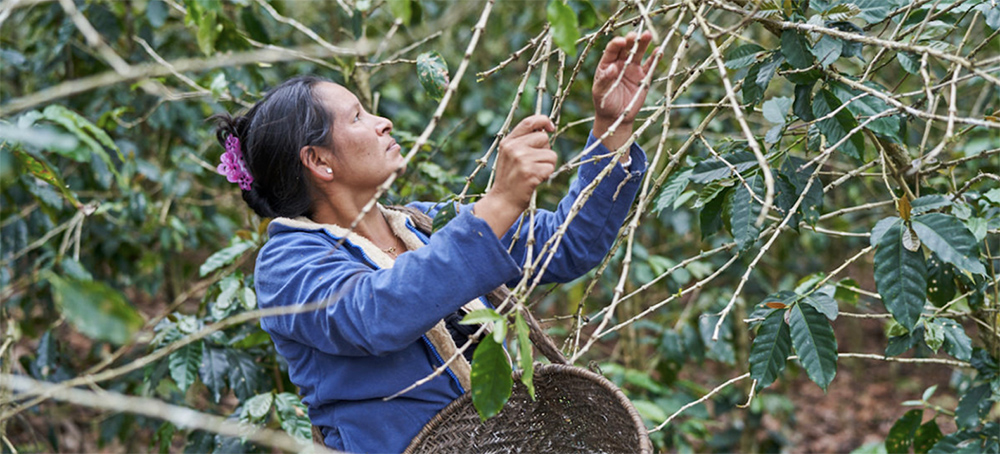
(822, 206)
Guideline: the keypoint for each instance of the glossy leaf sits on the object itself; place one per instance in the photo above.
(950, 240)
(770, 349)
(837, 127)
(184, 363)
(869, 106)
(926, 437)
(956, 342)
(901, 277)
(525, 353)
(715, 169)
(710, 217)
(795, 49)
(491, 378)
(95, 309)
(910, 62)
(243, 377)
(873, 11)
(903, 342)
(432, 71)
(219, 259)
(827, 50)
(744, 210)
(933, 335)
(43, 172)
(775, 109)
(973, 406)
(941, 287)
(444, 215)
(258, 406)
(815, 343)
(824, 303)
(802, 107)
(563, 20)
(213, 370)
(842, 11)
(743, 56)
(902, 432)
(672, 189)
(956, 443)
(480, 316)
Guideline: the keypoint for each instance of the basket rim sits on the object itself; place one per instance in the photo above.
(645, 445)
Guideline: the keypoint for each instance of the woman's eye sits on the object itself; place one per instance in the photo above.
(357, 117)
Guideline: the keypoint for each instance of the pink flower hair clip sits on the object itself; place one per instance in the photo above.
(233, 166)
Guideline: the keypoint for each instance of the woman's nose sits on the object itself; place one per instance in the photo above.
(384, 125)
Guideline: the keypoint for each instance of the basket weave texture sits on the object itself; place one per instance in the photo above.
(575, 411)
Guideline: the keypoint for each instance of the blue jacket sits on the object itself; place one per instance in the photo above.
(372, 340)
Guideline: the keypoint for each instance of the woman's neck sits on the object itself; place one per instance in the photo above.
(345, 212)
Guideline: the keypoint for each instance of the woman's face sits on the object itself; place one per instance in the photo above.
(365, 154)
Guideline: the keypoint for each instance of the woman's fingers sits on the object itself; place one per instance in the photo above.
(532, 124)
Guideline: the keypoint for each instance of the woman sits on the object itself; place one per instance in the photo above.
(309, 156)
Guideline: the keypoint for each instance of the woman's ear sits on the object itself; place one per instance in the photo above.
(317, 162)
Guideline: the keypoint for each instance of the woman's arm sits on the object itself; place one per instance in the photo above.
(373, 312)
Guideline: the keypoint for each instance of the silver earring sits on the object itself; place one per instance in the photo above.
(329, 170)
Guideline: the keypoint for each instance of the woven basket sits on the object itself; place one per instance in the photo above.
(575, 411)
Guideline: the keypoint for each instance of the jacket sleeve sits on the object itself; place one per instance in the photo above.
(376, 311)
(590, 235)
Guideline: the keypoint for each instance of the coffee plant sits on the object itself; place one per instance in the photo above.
(812, 163)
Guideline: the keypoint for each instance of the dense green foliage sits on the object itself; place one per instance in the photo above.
(811, 161)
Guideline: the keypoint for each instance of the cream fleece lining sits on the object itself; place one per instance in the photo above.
(438, 335)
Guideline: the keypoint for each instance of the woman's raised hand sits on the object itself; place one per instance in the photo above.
(610, 103)
(524, 160)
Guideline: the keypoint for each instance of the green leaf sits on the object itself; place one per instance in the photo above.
(836, 128)
(828, 49)
(401, 10)
(213, 369)
(927, 435)
(900, 277)
(869, 106)
(432, 71)
(237, 246)
(752, 93)
(973, 406)
(933, 335)
(901, 343)
(880, 228)
(184, 364)
(775, 109)
(910, 62)
(258, 406)
(802, 107)
(650, 411)
(767, 71)
(711, 191)
(289, 406)
(842, 11)
(95, 138)
(525, 353)
(444, 215)
(564, 26)
(824, 303)
(672, 189)
(812, 203)
(795, 49)
(902, 432)
(873, 11)
(951, 443)
(710, 216)
(927, 203)
(956, 342)
(744, 210)
(815, 343)
(95, 309)
(480, 316)
(245, 377)
(743, 56)
(948, 237)
(43, 172)
(844, 292)
(770, 350)
(491, 378)
(715, 169)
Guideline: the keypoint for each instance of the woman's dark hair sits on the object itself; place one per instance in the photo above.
(271, 134)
